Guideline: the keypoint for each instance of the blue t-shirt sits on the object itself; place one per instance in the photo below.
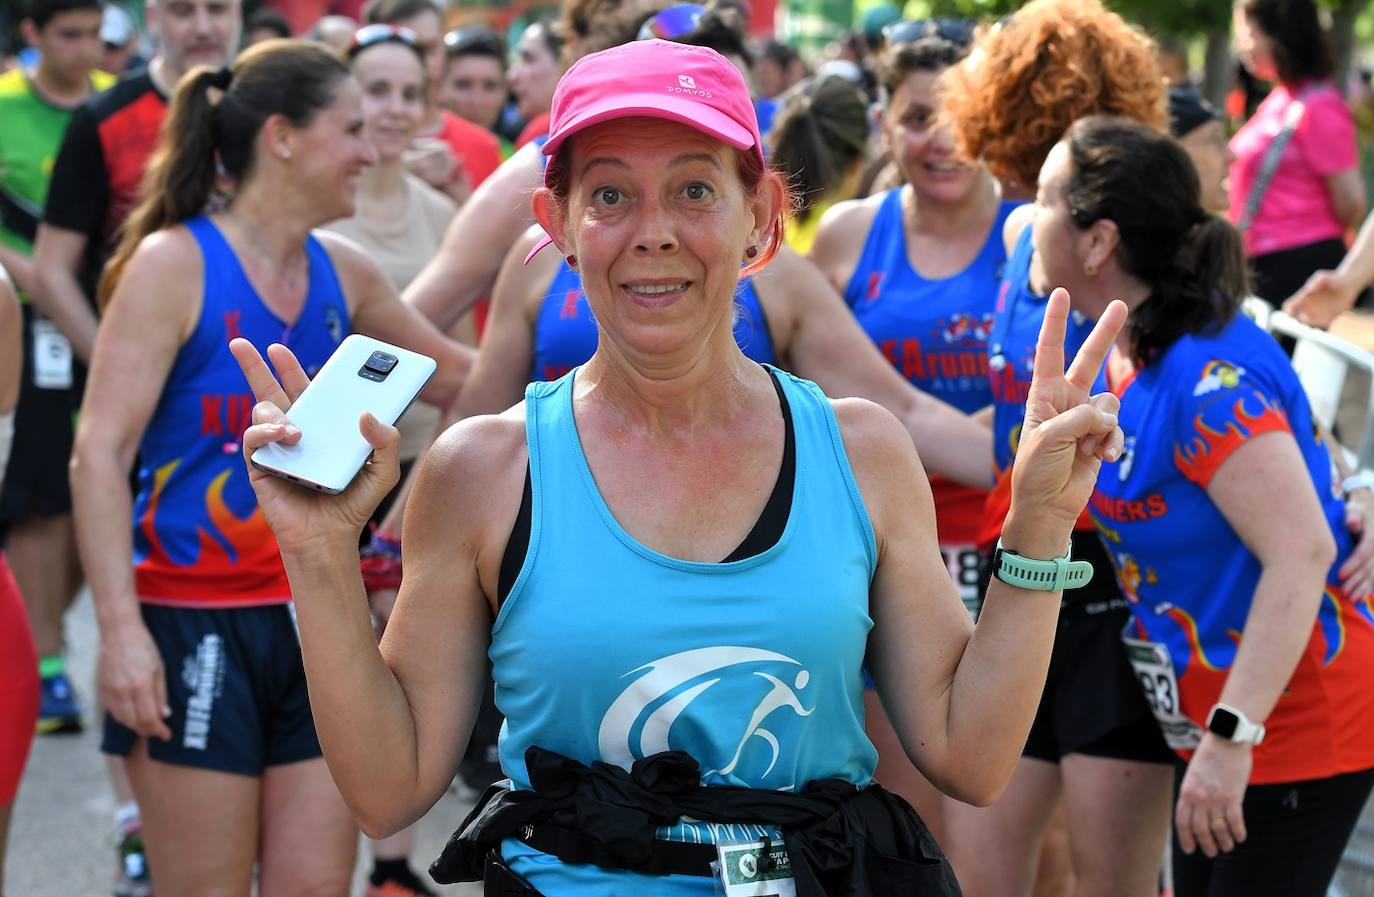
(1189, 578)
(565, 331)
(608, 650)
(934, 332)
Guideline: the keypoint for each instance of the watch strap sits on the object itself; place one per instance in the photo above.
(1242, 730)
(1054, 575)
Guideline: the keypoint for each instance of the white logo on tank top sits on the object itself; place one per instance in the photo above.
(640, 718)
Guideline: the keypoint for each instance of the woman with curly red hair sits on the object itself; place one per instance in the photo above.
(1094, 744)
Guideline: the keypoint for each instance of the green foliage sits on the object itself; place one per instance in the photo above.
(1181, 18)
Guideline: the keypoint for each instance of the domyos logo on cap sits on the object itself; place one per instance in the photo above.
(687, 84)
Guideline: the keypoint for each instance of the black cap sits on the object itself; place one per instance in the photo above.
(1188, 110)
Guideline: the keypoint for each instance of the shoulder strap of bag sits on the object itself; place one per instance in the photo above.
(1270, 164)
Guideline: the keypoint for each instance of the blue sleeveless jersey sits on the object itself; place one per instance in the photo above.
(608, 650)
(1016, 321)
(934, 332)
(199, 537)
(565, 332)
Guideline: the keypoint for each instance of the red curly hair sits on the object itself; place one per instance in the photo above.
(1052, 63)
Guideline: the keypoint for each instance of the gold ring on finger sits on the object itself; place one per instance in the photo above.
(1219, 823)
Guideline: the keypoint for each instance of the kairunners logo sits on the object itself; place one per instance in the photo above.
(203, 675)
(687, 84)
(641, 717)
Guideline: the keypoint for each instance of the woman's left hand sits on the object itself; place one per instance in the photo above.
(1067, 433)
(1357, 573)
(1208, 814)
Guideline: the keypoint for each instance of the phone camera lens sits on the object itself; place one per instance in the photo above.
(377, 366)
(381, 362)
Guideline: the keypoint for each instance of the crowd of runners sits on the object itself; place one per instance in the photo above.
(812, 439)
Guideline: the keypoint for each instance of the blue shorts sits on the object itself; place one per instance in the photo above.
(236, 688)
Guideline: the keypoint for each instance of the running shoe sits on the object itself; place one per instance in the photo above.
(407, 884)
(132, 878)
(58, 710)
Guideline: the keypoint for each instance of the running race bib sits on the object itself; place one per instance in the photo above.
(1155, 670)
(745, 870)
(963, 562)
(52, 356)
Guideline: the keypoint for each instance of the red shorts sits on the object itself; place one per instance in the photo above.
(18, 685)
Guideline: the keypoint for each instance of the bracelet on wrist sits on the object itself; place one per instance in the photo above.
(1364, 479)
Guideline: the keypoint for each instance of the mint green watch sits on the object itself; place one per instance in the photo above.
(1041, 576)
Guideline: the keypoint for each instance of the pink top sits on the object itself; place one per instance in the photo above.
(1296, 209)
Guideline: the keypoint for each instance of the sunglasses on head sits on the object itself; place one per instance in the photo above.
(371, 35)
(956, 31)
(675, 22)
(462, 40)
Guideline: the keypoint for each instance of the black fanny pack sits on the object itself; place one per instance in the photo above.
(841, 841)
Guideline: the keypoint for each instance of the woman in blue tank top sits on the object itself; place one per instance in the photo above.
(705, 551)
(918, 266)
(200, 662)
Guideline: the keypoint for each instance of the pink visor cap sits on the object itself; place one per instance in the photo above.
(695, 86)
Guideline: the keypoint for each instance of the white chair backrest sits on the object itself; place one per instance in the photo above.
(1257, 310)
(1322, 362)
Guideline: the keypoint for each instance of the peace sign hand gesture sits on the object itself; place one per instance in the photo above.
(1068, 432)
(301, 519)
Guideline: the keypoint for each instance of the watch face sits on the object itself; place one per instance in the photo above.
(1223, 723)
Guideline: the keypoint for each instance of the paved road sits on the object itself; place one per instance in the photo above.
(61, 842)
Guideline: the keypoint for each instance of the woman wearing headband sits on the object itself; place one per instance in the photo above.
(200, 665)
(1249, 617)
(686, 598)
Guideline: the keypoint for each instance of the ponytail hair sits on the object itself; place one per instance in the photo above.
(202, 134)
(820, 132)
(1144, 182)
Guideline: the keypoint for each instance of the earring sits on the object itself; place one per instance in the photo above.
(752, 252)
(572, 261)
(1090, 270)
(286, 153)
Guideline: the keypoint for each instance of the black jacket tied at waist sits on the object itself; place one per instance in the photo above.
(842, 841)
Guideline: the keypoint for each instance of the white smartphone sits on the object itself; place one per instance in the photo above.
(363, 374)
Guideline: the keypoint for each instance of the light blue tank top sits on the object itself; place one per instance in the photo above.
(608, 650)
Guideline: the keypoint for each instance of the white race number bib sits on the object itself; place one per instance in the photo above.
(1155, 670)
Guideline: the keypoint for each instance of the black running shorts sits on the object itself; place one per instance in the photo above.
(236, 687)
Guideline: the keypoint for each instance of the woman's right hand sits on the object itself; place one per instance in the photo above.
(133, 684)
(1324, 298)
(305, 521)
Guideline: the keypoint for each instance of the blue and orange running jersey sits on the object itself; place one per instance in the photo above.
(565, 331)
(934, 332)
(199, 537)
(1190, 580)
